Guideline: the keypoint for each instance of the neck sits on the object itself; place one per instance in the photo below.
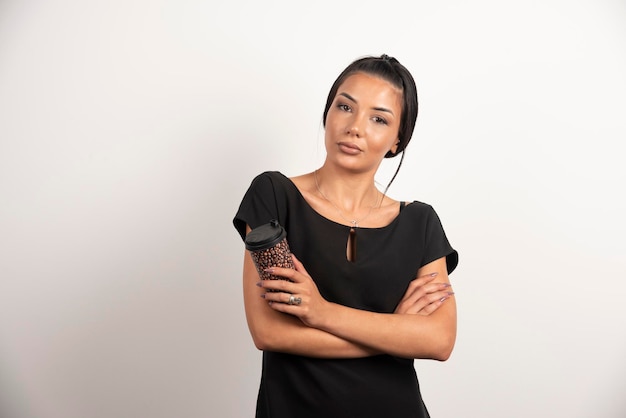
(351, 192)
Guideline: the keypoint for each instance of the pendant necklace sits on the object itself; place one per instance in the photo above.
(351, 247)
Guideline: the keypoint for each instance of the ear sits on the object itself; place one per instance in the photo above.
(394, 148)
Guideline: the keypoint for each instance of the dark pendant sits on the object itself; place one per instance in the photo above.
(351, 250)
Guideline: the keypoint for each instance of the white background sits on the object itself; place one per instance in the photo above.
(129, 131)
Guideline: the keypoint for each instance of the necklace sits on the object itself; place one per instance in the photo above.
(351, 246)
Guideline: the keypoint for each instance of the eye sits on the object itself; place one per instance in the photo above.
(344, 107)
(379, 120)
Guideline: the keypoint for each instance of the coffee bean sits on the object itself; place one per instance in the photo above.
(277, 256)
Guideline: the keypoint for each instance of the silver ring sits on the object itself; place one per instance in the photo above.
(294, 300)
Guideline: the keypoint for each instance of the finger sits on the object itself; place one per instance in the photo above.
(436, 287)
(282, 297)
(421, 281)
(429, 309)
(433, 302)
(280, 302)
(296, 262)
(286, 308)
(279, 285)
(287, 273)
(421, 291)
(432, 307)
(275, 297)
(434, 274)
(423, 302)
(299, 266)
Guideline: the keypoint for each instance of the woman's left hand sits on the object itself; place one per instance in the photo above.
(298, 297)
(424, 295)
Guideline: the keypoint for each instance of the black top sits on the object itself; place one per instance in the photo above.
(387, 260)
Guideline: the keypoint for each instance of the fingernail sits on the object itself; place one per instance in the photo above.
(269, 270)
(259, 284)
(433, 274)
(263, 295)
(443, 298)
(447, 285)
(450, 293)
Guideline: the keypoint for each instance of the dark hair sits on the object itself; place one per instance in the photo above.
(389, 69)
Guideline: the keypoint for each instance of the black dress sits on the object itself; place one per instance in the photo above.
(387, 260)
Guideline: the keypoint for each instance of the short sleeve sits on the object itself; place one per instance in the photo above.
(437, 244)
(258, 206)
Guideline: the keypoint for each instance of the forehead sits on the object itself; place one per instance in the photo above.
(363, 86)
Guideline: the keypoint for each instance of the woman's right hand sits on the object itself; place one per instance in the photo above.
(424, 296)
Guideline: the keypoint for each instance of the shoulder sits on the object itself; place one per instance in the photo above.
(420, 213)
(275, 184)
(268, 180)
(269, 176)
(267, 198)
(418, 207)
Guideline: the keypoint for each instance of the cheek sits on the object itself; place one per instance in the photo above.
(330, 133)
(333, 125)
(386, 141)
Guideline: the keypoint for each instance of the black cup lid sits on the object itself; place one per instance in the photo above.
(265, 236)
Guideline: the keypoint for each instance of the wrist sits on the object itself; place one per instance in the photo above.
(326, 313)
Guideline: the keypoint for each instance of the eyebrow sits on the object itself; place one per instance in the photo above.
(380, 109)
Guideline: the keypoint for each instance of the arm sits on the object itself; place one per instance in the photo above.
(274, 331)
(403, 335)
(424, 295)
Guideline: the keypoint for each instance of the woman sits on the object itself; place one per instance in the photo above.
(370, 291)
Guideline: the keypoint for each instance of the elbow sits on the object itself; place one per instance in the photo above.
(262, 336)
(443, 355)
(259, 342)
(439, 349)
(444, 339)
(444, 348)
(268, 334)
(263, 340)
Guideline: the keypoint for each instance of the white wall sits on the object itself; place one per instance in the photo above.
(129, 131)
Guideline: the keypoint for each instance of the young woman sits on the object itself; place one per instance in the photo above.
(370, 291)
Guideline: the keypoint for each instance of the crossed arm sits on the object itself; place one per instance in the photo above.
(423, 325)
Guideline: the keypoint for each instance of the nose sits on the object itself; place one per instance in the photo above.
(353, 131)
(355, 127)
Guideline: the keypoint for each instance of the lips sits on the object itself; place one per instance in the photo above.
(349, 147)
